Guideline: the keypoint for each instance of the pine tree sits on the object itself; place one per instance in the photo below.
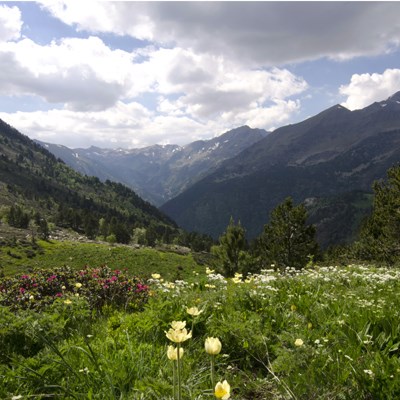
(380, 235)
(231, 250)
(287, 241)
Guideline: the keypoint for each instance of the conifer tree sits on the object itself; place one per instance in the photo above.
(231, 249)
(380, 235)
(287, 240)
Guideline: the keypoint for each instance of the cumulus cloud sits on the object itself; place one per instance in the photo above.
(83, 74)
(266, 33)
(126, 125)
(10, 23)
(365, 89)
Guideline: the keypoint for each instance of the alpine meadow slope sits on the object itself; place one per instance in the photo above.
(328, 161)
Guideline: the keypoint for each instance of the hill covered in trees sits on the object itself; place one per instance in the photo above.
(38, 189)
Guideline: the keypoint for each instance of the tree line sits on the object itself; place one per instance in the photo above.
(288, 241)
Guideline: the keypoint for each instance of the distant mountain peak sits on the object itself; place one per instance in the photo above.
(394, 98)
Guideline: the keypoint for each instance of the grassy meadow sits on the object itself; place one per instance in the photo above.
(22, 255)
(320, 333)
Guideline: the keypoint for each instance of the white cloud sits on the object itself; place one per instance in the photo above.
(124, 125)
(82, 73)
(365, 89)
(256, 33)
(10, 23)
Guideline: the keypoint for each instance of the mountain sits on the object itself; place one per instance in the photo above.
(159, 173)
(32, 179)
(328, 161)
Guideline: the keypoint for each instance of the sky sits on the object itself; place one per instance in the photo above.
(133, 74)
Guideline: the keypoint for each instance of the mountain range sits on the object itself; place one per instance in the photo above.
(160, 172)
(328, 161)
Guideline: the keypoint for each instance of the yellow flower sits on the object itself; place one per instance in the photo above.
(222, 390)
(172, 353)
(209, 271)
(156, 276)
(212, 345)
(178, 324)
(194, 311)
(68, 301)
(63, 287)
(178, 335)
(78, 285)
(293, 307)
(298, 342)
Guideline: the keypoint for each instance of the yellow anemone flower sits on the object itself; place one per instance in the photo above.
(178, 335)
(298, 342)
(212, 345)
(222, 390)
(156, 276)
(172, 353)
(194, 311)
(178, 324)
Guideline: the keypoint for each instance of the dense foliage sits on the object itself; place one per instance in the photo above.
(326, 333)
(287, 240)
(98, 286)
(380, 238)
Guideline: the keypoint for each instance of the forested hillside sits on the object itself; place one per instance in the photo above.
(37, 187)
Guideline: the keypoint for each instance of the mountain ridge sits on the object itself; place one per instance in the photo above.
(159, 172)
(335, 152)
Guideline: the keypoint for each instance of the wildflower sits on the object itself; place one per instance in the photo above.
(178, 335)
(172, 353)
(31, 297)
(293, 307)
(63, 287)
(178, 324)
(194, 311)
(78, 285)
(156, 276)
(298, 342)
(222, 390)
(212, 345)
(68, 301)
(209, 271)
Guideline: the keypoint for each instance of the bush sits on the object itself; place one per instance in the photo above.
(98, 286)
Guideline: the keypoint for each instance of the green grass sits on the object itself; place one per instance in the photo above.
(325, 333)
(22, 256)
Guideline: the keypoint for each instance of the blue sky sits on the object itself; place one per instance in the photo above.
(132, 74)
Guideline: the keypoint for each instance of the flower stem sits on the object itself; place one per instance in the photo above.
(174, 372)
(179, 371)
(212, 371)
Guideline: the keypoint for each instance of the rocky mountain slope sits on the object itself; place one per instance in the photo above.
(159, 173)
(323, 160)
